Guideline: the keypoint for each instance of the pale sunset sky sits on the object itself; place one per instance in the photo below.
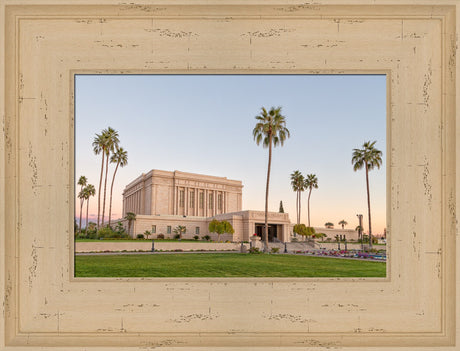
(203, 124)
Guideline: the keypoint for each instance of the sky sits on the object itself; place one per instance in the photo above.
(203, 124)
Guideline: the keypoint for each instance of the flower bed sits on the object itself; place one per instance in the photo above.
(345, 254)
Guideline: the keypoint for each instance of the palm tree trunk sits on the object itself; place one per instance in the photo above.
(111, 191)
(309, 194)
(99, 190)
(87, 206)
(82, 201)
(297, 207)
(369, 206)
(266, 193)
(300, 204)
(105, 187)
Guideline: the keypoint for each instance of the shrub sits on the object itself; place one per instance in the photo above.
(275, 249)
(120, 229)
(106, 232)
(147, 233)
(160, 236)
(140, 236)
(177, 236)
(206, 237)
(196, 237)
(255, 250)
(294, 240)
(92, 235)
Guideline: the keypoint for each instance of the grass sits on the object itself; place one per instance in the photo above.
(223, 265)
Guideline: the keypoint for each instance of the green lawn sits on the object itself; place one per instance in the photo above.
(223, 265)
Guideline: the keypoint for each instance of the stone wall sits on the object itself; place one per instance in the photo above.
(101, 246)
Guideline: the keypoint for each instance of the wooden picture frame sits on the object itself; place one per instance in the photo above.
(46, 43)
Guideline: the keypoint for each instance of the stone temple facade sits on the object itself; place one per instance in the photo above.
(163, 200)
(182, 194)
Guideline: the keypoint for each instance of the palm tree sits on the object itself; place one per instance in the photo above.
(343, 223)
(111, 144)
(81, 196)
(271, 130)
(310, 182)
(298, 185)
(82, 182)
(120, 157)
(90, 190)
(329, 225)
(130, 216)
(369, 158)
(99, 148)
(102, 144)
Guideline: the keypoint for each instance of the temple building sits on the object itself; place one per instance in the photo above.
(162, 200)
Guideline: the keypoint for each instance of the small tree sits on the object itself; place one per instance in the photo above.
(120, 229)
(215, 226)
(329, 225)
(310, 231)
(228, 229)
(147, 233)
(300, 229)
(319, 235)
(179, 230)
(281, 207)
(130, 216)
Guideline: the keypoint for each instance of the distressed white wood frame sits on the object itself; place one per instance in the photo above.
(413, 42)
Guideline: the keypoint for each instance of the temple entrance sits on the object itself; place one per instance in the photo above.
(272, 230)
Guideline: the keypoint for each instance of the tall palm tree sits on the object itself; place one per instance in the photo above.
(298, 185)
(120, 157)
(310, 182)
(271, 130)
(90, 190)
(343, 223)
(81, 196)
(368, 158)
(82, 182)
(99, 143)
(130, 216)
(110, 146)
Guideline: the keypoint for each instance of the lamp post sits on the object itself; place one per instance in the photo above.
(360, 234)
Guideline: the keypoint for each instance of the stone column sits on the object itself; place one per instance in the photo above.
(205, 212)
(195, 212)
(186, 198)
(142, 196)
(176, 202)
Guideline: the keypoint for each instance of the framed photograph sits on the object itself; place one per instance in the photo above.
(48, 44)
